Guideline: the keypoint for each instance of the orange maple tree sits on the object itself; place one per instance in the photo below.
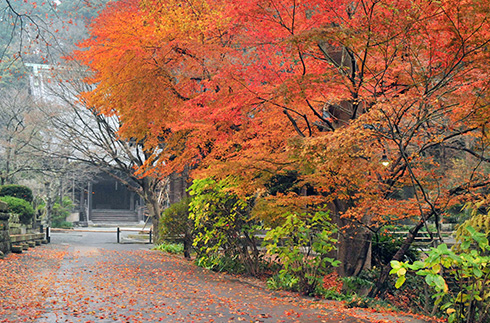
(325, 90)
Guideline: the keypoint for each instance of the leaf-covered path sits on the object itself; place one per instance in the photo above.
(86, 277)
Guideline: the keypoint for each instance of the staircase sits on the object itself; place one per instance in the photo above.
(114, 216)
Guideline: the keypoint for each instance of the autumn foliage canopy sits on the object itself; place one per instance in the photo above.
(309, 96)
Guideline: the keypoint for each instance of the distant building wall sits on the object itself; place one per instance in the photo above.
(44, 83)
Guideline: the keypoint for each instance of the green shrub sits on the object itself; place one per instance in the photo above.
(224, 228)
(176, 226)
(64, 225)
(221, 263)
(285, 282)
(21, 207)
(174, 248)
(355, 300)
(175, 219)
(302, 244)
(460, 276)
(60, 212)
(356, 285)
(18, 191)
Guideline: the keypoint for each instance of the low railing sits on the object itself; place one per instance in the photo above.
(423, 238)
(141, 231)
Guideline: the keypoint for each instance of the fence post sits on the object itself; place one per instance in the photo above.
(150, 235)
(48, 234)
(118, 231)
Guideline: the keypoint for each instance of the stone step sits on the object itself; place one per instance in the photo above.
(114, 216)
(115, 220)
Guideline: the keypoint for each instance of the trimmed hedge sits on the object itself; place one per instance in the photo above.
(18, 191)
(21, 207)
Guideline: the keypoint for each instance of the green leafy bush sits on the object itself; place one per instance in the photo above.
(224, 229)
(460, 277)
(221, 263)
(283, 281)
(356, 285)
(302, 244)
(21, 207)
(176, 226)
(64, 225)
(174, 248)
(18, 191)
(357, 301)
(60, 212)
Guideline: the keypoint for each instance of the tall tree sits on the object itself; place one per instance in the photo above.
(20, 130)
(323, 89)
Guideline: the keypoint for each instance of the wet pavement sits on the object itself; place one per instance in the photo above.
(86, 276)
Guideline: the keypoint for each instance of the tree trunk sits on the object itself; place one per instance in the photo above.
(187, 246)
(154, 212)
(151, 200)
(353, 251)
(354, 243)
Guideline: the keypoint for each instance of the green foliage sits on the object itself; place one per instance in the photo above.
(355, 300)
(460, 276)
(353, 290)
(413, 296)
(302, 244)
(21, 207)
(18, 191)
(64, 225)
(384, 247)
(221, 263)
(60, 212)
(355, 284)
(224, 230)
(283, 281)
(331, 294)
(348, 288)
(479, 221)
(174, 248)
(175, 225)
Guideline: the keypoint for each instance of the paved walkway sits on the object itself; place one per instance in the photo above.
(87, 277)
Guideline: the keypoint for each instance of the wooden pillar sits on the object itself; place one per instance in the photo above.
(81, 205)
(89, 201)
(131, 201)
